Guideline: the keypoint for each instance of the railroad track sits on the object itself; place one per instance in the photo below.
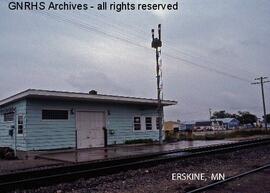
(212, 185)
(45, 177)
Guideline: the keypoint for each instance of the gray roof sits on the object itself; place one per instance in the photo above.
(189, 122)
(225, 120)
(75, 96)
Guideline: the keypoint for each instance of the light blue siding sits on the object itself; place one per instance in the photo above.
(5, 139)
(121, 122)
(49, 134)
(60, 134)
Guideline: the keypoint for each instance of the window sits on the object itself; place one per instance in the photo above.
(9, 116)
(158, 122)
(148, 123)
(20, 124)
(137, 123)
(176, 129)
(54, 114)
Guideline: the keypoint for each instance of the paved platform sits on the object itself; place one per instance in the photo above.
(11, 166)
(96, 154)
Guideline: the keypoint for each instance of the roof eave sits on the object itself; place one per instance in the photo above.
(82, 97)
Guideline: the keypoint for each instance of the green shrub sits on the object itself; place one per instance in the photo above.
(171, 136)
(136, 141)
(215, 136)
(247, 133)
(6, 153)
(234, 134)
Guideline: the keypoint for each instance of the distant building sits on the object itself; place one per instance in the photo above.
(229, 123)
(187, 125)
(172, 126)
(203, 125)
(214, 124)
(208, 125)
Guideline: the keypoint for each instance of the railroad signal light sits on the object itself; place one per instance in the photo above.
(156, 42)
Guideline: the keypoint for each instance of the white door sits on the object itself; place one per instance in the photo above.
(90, 129)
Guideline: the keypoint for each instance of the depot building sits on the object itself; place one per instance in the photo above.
(46, 120)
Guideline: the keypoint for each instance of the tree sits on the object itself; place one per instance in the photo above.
(221, 114)
(246, 117)
(267, 118)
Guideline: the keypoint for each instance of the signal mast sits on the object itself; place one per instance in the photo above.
(156, 44)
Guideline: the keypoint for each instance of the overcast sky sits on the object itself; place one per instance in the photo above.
(213, 49)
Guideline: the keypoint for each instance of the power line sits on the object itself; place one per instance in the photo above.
(130, 29)
(140, 34)
(208, 68)
(126, 40)
(89, 28)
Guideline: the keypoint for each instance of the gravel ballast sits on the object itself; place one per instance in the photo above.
(254, 183)
(159, 178)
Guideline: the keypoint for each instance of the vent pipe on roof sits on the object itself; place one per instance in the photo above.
(93, 92)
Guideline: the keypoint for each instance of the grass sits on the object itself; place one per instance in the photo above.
(216, 135)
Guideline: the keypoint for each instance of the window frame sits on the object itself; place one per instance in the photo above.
(156, 125)
(22, 124)
(9, 121)
(55, 109)
(151, 122)
(141, 125)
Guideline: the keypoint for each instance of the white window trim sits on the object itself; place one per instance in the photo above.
(154, 123)
(17, 125)
(152, 118)
(141, 122)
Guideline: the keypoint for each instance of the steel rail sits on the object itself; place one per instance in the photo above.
(68, 173)
(209, 186)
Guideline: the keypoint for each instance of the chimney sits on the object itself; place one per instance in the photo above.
(93, 92)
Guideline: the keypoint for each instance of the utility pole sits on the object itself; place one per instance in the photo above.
(156, 44)
(262, 81)
(210, 113)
